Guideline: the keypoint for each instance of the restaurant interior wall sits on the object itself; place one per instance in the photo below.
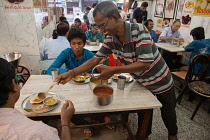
(185, 31)
(18, 32)
(195, 22)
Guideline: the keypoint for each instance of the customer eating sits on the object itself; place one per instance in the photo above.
(79, 23)
(171, 33)
(93, 35)
(14, 124)
(134, 48)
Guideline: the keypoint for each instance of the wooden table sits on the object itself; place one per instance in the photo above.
(93, 48)
(170, 48)
(134, 98)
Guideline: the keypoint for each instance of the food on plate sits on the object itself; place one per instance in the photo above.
(35, 100)
(189, 4)
(93, 43)
(28, 110)
(50, 101)
(41, 109)
(127, 79)
(115, 77)
(87, 75)
(79, 79)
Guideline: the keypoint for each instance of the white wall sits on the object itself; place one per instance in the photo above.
(18, 33)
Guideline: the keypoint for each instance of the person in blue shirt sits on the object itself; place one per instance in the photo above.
(169, 33)
(199, 45)
(93, 35)
(149, 25)
(74, 56)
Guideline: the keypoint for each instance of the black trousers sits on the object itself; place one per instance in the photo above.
(168, 113)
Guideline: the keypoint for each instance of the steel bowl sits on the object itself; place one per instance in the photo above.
(94, 81)
(103, 95)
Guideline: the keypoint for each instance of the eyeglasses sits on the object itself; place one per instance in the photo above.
(103, 25)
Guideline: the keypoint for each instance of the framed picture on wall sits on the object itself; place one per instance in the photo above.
(170, 6)
(180, 6)
(159, 8)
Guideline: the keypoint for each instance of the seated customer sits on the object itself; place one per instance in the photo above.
(166, 36)
(78, 23)
(54, 47)
(149, 25)
(16, 126)
(74, 56)
(199, 45)
(93, 35)
(171, 32)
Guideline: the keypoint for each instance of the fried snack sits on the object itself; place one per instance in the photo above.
(127, 79)
(87, 75)
(35, 100)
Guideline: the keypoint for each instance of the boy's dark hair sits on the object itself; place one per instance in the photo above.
(62, 29)
(198, 33)
(119, 8)
(7, 74)
(88, 8)
(147, 22)
(77, 32)
(54, 34)
(62, 18)
(66, 22)
(94, 4)
(77, 19)
(144, 4)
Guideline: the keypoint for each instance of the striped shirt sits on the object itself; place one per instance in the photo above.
(16, 126)
(139, 47)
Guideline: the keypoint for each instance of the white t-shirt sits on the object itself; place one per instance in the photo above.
(90, 16)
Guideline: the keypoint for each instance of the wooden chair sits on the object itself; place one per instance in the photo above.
(201, 59)
(196, 82)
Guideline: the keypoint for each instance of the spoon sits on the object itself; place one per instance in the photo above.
(42, 95)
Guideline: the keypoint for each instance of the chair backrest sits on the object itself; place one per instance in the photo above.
(198, 68)
(45, 64)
